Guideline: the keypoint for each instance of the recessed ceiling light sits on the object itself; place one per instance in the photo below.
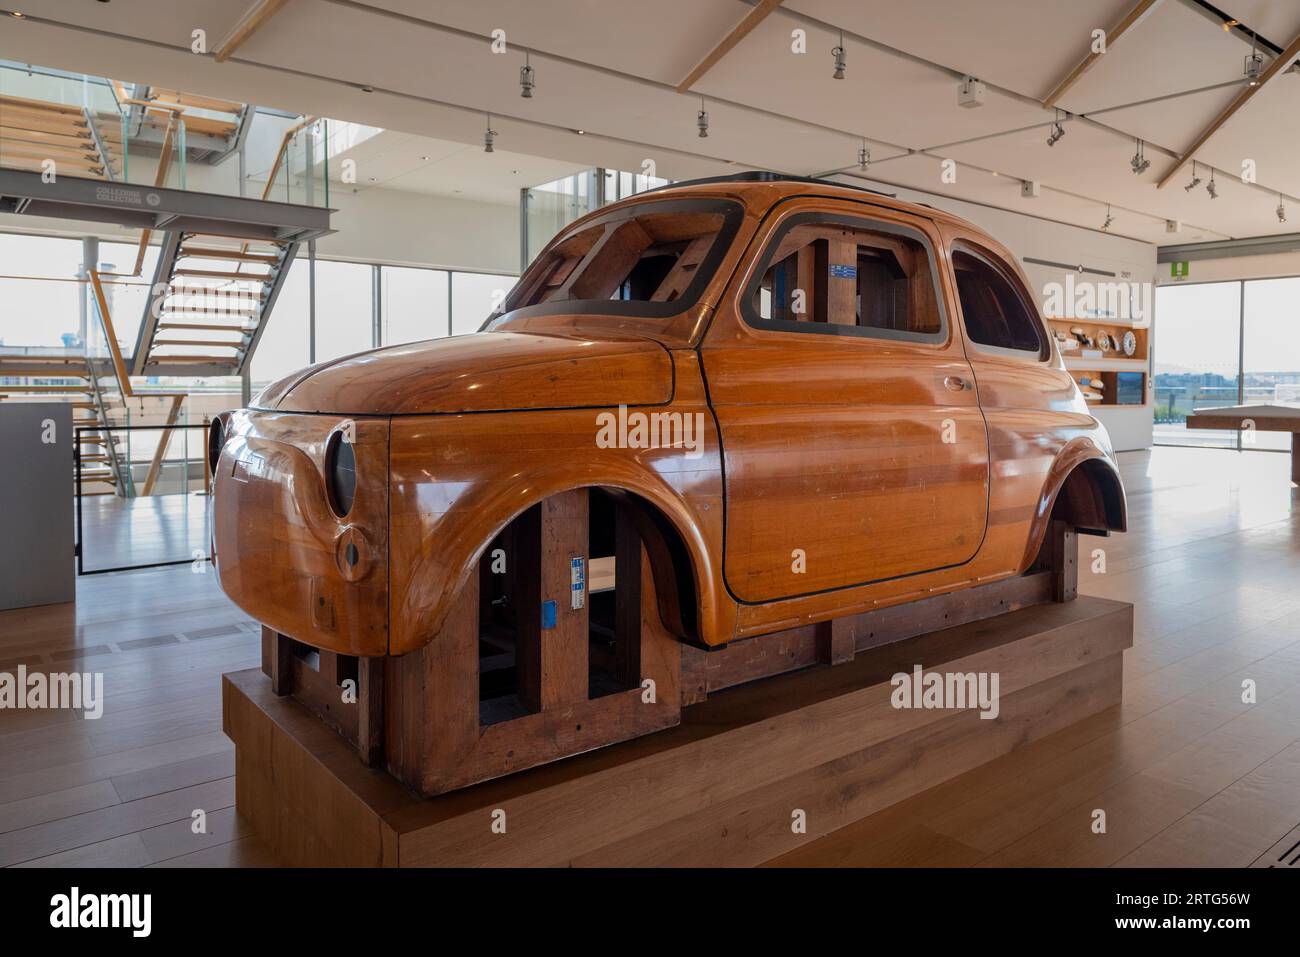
(514, 172)
(18, 15)
(581, 132)
(425, 158)
(366, 89)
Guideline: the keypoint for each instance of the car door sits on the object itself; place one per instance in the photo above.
(854, 449)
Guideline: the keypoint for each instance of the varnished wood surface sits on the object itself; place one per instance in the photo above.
(1191, 776)
(280, 548)
(836, 475)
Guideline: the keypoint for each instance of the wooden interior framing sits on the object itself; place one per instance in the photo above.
(804, 260)
(510, 683)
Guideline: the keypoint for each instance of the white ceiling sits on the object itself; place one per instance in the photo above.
(609, 68)
(422, 164)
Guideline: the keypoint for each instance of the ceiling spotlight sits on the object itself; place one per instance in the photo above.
(1109, 218)
(1281, 209)
(1139, 163)
(1211, 188)
(1057, 130)
(864, 156)
(581, 132)
(1254, 64)
(1196, 180)
(18, 15)
(526, 79)
(489, 137)
(838, 54)
(702, 120)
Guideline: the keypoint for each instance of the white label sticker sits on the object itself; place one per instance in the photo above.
(578, 581)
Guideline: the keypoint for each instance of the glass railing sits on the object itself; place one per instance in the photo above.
(93, 127)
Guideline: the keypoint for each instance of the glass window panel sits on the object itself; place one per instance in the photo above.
(344, 314)
(414, 304)
(1272, 351)
(41, 310)
(473, 298)
(1195, 355)
(284, 345)
(127, 297)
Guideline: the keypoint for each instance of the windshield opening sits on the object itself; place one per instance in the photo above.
(648, 259)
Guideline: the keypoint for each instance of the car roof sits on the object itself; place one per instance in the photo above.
(751, 184)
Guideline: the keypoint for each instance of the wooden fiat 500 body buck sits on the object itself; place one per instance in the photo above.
(717, 431)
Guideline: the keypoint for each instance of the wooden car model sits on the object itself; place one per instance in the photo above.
(737, 412)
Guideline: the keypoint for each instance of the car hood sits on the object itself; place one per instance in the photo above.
(483, 372)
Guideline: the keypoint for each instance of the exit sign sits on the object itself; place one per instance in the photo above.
(1178, 270)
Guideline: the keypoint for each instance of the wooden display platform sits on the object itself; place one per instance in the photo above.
(721, 788)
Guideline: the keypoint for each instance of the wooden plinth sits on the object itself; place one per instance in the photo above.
(721, 788)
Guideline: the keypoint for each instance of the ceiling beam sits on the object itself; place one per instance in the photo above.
(738, 33)
(1279, 65)
(1126, 23)
(254, 18)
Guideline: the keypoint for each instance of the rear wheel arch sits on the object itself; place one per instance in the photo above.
(1092, 498)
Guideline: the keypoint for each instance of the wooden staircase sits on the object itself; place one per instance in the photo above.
(76, 381)
(80, 142)
(218, 294)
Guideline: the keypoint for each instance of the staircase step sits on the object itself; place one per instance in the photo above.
(168, 360)
(205, 252)
(196, 101)
(206, 312)
(56, 135)
(205, 327)
(220, 293)
(222, 274)
(44, 372)
(45, 389)
(205, 343)
(43, 106)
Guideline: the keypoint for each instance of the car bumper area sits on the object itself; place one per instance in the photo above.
(290, 548)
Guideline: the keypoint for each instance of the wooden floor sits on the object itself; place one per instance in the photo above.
(149, 530)
(1186, 773)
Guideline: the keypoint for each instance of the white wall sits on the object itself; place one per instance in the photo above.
(416, 229)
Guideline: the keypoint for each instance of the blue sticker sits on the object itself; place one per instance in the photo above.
(844, 272)
(548, 614)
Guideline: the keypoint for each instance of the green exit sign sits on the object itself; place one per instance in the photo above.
(1178, 270)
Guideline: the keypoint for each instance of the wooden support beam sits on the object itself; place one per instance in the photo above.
(430, 699)
(1279, 65)
(1126, 23)
(155, 466)
(110, 337)
(1064, 561)
(551, 659)
(627, 598)
(757, 15)
(253, 20)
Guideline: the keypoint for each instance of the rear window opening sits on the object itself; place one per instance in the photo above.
(995, 313)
